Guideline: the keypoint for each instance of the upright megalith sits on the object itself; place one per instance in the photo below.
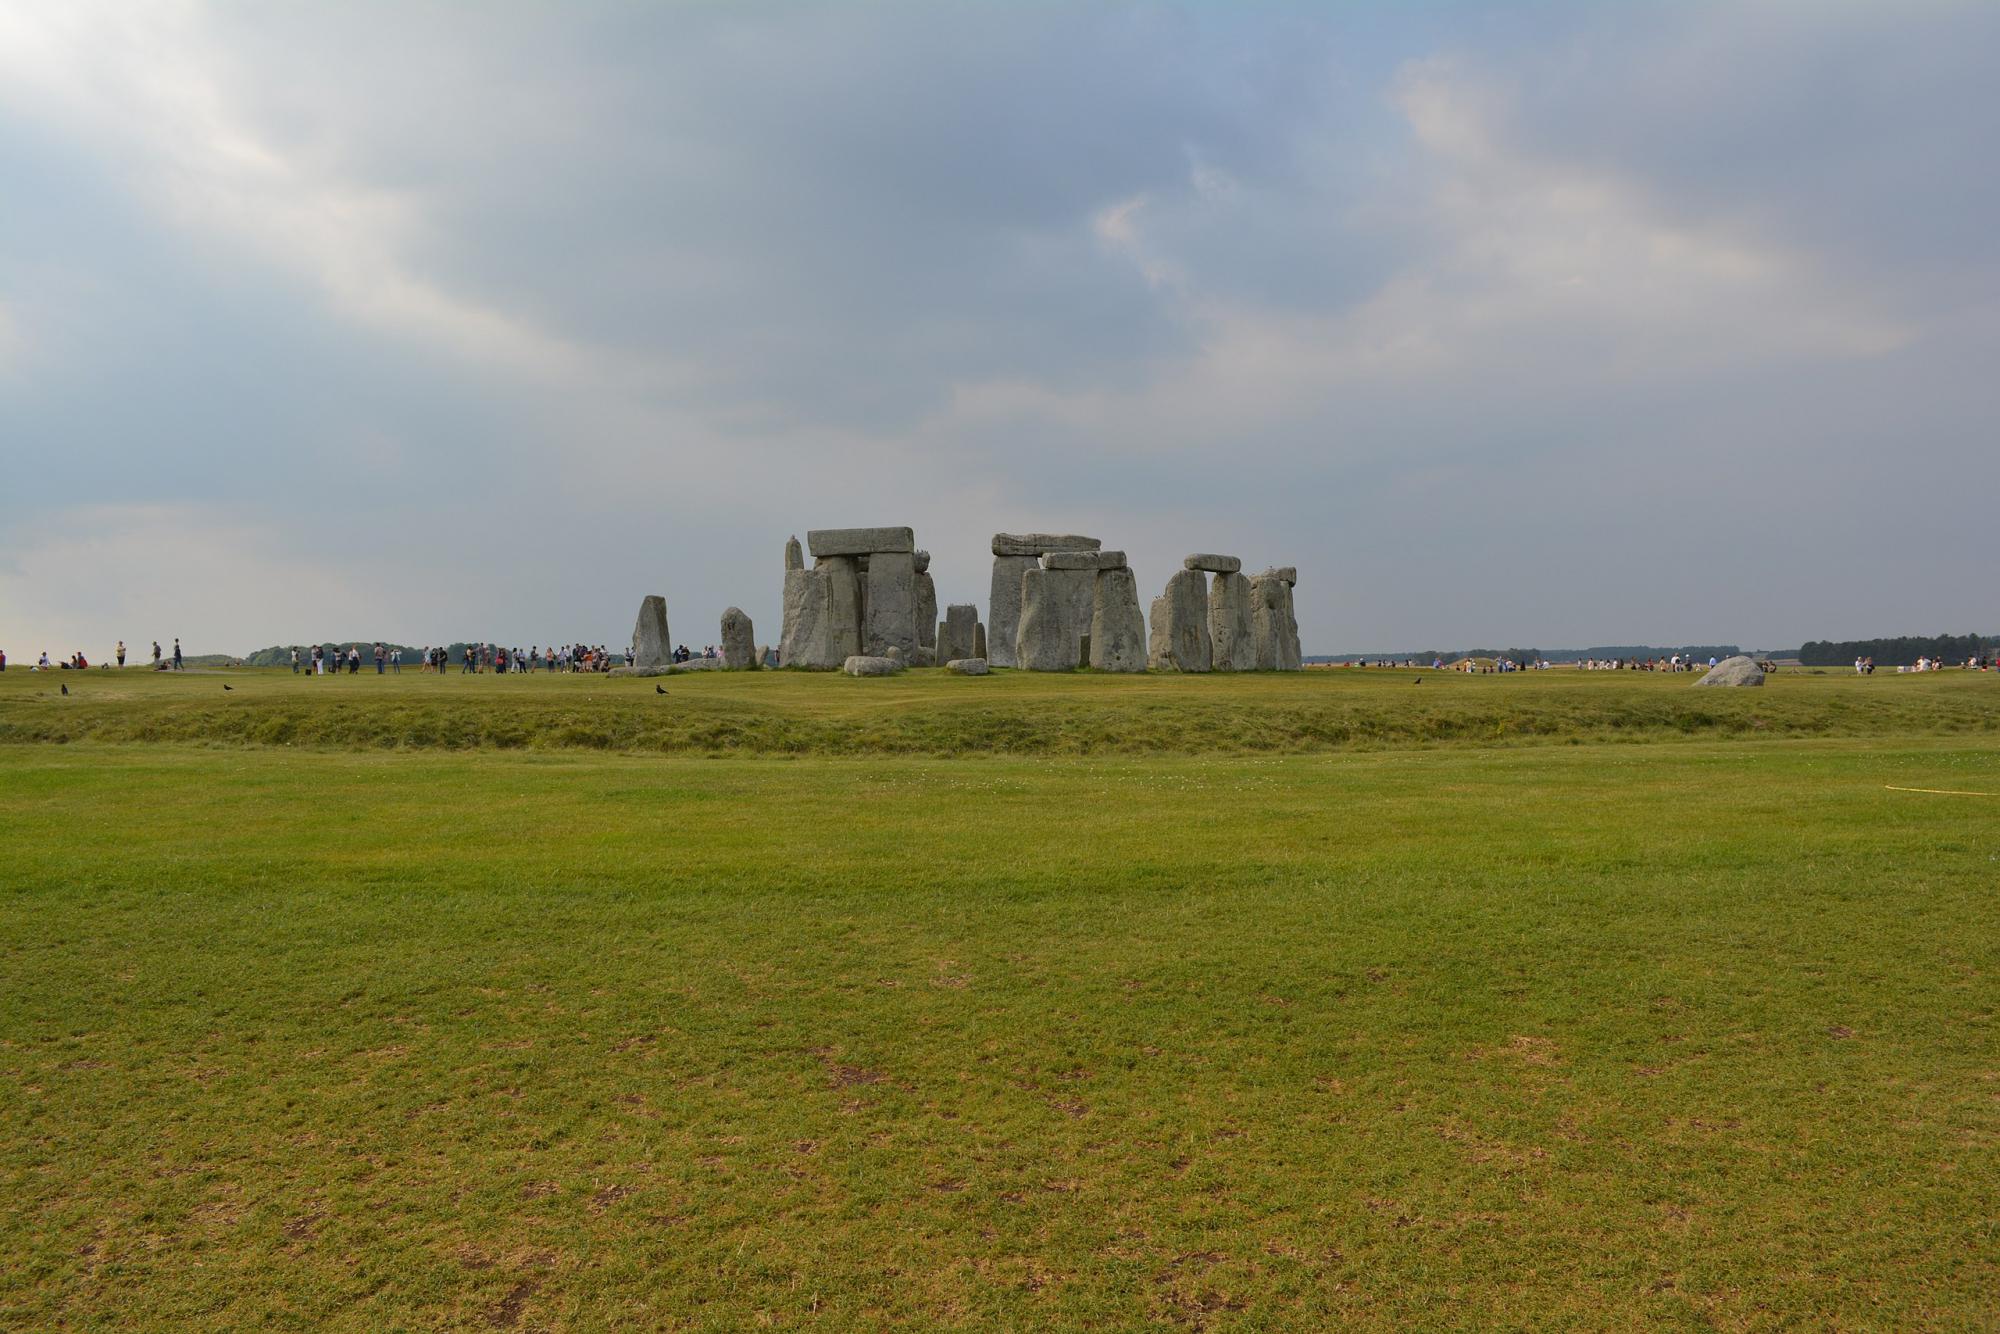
(1159, 647)
(926, 613)
(891, 604)
(1047, 638)
(795, 559)
(1274, 627)
(739, 641)
(1181, 644)
(1117, 630)
(1230, 631)
(652, 646)
(808, 633)
(1014, 554)
(958, 633)
(979, 641)
(843, 576)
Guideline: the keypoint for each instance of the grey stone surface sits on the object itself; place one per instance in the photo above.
(1230, 633)
(1034, 544)
(1288, 573)
(958, 632)
(795, 558)
(739, 641)
(1083, 560)
(1003, 604)
(890, 604)
(1159, 656)
(843, 574)
(1274, 628)
(1117, 629)
(922, 561)
(1048, 639)
(1212, 563)
(653, 645)
(859, 541)
(667, 670)
(871, 665)
(808, 636)
(979, 641)
(926, 614)
(1736, 671)
(1187, 646)
(968, 666)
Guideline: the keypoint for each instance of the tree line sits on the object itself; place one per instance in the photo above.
(1901, 651)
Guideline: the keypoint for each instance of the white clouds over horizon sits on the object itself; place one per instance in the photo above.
(1502, 329)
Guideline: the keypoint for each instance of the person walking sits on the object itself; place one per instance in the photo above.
(121, 653)
(177, 653)
(354, 660)
(295, 660)
(381, 659)
(156, 655)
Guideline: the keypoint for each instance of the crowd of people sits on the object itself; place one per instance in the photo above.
(473, 659)
(77, 662)
(1675, 662)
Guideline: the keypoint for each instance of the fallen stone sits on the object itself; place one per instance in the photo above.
(1736, 671)
(860, 541)
(739, 641)
(1117, 630)
(795, 558)
(870, 665)
(1003, 604)
(1048, 638)
(1212, 563)
(1034, 544)
(968, 666)
(958, 632)
(666, 670)
(652, 646)
(1187, 646)
(1083, 560)
(1231, 634)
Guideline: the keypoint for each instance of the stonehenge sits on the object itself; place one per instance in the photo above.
(1060, 602)
(1013, 555)
(863, 596)
(652, 646)
(958, 633)
(1117, 630)
(1238, 624)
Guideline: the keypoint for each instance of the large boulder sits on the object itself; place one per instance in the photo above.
(808, 636)
(1083, 560)
(871, 665)
(967, 666)
(1035, 544)
(1231, 633)
(739, 641)
(1184, 638)
(891, 604)
(652, 646)
(1736, 671)
(860, 541)
(1210, 563)
(1048, 639)
(843, 574)
(1117, 629)
(958, 632)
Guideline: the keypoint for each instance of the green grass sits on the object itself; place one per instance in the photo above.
(932, 713)
(1676, 1034)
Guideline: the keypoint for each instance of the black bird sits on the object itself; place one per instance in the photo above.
(65, 690)
(229, 687)
(659, 690)
(1420, 680)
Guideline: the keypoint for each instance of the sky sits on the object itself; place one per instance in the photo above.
(1536, 325)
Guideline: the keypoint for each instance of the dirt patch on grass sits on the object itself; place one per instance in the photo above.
(507, 1314)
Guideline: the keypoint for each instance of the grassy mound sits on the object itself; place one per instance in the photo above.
(936, 714)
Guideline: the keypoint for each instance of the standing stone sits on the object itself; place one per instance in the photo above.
(739, 642)
(1047, 639)
(1187, 647)
(890, 604)
(926, 614)
(1229, 625)
(1003, 606)
(958, 633)
(652, 646)
(979, 640)
(1117, 630)
(808, 638)
(795, 558)
(1270, 621)
(1159, 656)
(843, 575)
(1078, 588)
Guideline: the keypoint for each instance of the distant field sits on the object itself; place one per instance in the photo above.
(932, 713)
(1268, 1003)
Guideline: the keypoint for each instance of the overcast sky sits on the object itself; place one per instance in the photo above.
(1551, 325)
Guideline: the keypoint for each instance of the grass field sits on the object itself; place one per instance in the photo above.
(1258, 1003)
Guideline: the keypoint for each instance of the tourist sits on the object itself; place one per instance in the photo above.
(177, 653)
(156, 655)
(295, 660)
(381, 658)
(121, 653)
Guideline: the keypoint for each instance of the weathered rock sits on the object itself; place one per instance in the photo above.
(926, 613)
(1212, 563)
(795, 558)
(1034, 544)
(871, 665)
(1083, 560)
(1231, 635)
(890, 605)
(1117, 630)
(1187, 647)
(968, 666)
(739, 641)
(1048, 639)
(766, 656)
(921, 561)
(1003, 605)
(808, 637)
(1288, 573)
(896, 652)
(1159, 653)
(1274, 629)
(979, 641)
(860, 541)
(958, 632)
(1736, 671)
(652, 645)
(843, 574)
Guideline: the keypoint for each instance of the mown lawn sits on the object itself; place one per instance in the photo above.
(1678, 1034)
